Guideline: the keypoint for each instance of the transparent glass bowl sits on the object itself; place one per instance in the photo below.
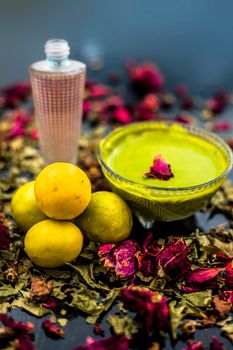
(151, 203)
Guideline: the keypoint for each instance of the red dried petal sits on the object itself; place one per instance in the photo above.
(121, 115)
(195, 345)
(34, 134)
(227, 295)
(119, 342)
(183, 119)
(173, 258)
(98, 330)
(145, 78)
(222, 126)
(14, 94)
(216, 344)
(160, 169)
(99, 90)
(120, 258)
(203, 274)
(25, 342)
(229, 275)
(151, 307)
(50, 303)
(52, 330)
(187, 103)
(4, 238)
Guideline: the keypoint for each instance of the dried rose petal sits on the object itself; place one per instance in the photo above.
(145, 78)
(15, 131)
(98, 330)
(147, 261)
(121, 115)
(216, 344)
(21, 331)
(34, 134)
(120, 258)
(187, 103)
(52, 330)
(183, 119)
(229, 275)
(40, 288)
(203, 274)
(151, 307)
(195, 345)
(173, 259)
(220, 256)
(98, 90)
(50, 303)
(160, 169)
(25, 342)
(14, 94)
(4, 238)
(227, 295)
(118, 342)
(221, 126)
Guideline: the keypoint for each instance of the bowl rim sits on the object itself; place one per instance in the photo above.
(192, 130)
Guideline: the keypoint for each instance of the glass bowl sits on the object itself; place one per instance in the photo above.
(151, 203)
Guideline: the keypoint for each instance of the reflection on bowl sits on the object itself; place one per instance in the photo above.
(165, 201)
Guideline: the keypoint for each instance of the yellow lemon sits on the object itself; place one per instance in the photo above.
(62, 191)
(24, 208)
(107, 219)
(53, 243)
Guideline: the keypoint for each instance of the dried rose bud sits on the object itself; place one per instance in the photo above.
(11, 274)
(40, 288)
(160, 169)
(52, 330)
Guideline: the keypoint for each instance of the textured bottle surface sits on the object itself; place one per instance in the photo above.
(58, 98)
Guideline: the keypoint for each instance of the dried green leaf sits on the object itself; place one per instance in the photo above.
(85, 274)
(228, 328)
(199, 299)
(123, 325)
(62, 321)
(7, 291)
(34, 309)
(177, 313)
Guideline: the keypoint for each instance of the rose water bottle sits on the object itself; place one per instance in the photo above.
(57, 88)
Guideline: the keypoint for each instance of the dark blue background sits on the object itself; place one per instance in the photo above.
(192, 41)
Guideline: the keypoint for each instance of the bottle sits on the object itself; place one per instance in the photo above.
(57, 89)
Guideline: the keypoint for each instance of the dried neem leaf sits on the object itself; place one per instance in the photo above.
(177, 314)
(34, 309)
(86, 274)
(123, 325)
(199, 299)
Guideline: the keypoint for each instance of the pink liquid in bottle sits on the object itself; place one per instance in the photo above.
(57, 87)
